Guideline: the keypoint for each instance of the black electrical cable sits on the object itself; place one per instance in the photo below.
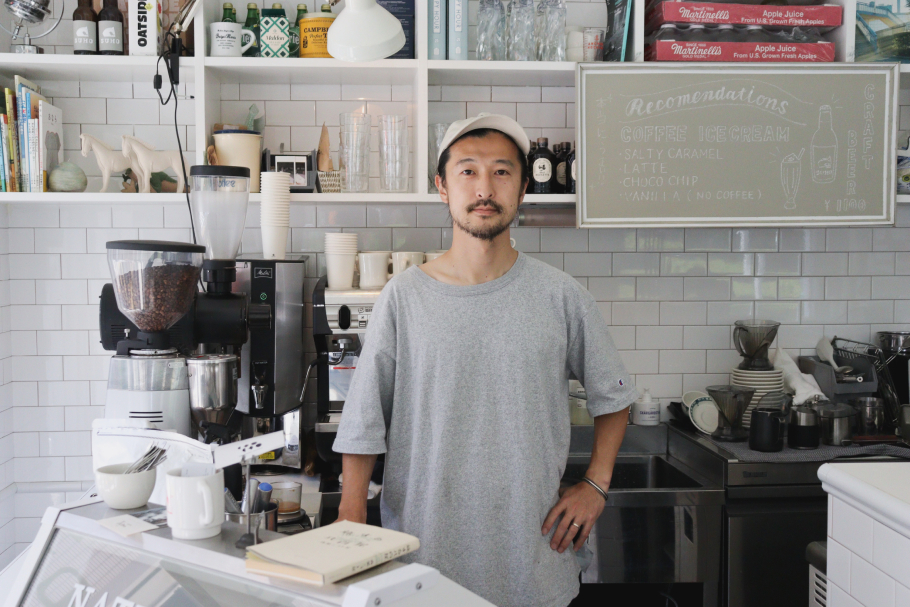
(173, 93)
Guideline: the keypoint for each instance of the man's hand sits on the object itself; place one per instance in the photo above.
(580, 506)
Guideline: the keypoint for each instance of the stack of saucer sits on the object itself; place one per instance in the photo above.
(340, 259)
(760, 381)
(275, 213)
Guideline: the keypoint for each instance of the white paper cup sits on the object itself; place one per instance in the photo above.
(274, 241)
(375, 268)
(340, 270)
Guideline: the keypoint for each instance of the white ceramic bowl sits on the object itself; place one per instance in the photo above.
(690, 397)
(124, 491)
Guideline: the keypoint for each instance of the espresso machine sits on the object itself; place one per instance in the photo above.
(272, 378)
(340, 321)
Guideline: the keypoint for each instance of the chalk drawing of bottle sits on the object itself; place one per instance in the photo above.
(823, 151)
(790, 170)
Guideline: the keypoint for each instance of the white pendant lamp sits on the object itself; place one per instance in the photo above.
(364, 31)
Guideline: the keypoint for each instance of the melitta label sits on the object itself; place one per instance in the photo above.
(110, 36)
(84, 36)
(670, 50)
(826, 16)
(543, 170)
(561, 173)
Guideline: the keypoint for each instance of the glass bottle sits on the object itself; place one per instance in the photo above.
(543, 165)
(252, 24)
(562, 151)
(326, 8)
(234, 14)
(552, 37)
(667, 31)
(85, 29)
(570, 171)
(530, 157)
(294, 31)
(698, 33)
(756, 33)
(227, 15)
(110, 29)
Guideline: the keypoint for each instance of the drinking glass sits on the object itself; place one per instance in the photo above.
(491, 31)
(593, 38)
(354, 152)
(522, 36)
(437, 132)
(393, 153)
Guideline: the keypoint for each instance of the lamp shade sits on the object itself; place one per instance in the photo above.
(364, 31)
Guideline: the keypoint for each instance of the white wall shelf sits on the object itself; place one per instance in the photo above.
(262, 70)
(83, 198)
(91, 68)
(502, 73)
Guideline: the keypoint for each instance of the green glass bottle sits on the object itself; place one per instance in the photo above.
(227, 15)
(294, 31)
(252, 24)
(234, 14)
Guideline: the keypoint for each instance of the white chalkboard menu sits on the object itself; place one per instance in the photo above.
(733, 144)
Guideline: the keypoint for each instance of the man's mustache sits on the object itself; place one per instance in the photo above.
(489, 202)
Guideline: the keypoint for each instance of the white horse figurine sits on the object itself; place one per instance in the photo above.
(145, 160)
(109, 160)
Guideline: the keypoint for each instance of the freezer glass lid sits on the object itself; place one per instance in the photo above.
(78, 569)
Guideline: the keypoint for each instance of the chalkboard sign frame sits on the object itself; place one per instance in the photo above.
(714, 71)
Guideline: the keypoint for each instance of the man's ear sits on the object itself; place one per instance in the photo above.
(440, 185)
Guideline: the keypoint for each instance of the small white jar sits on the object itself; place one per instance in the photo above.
(646, 410)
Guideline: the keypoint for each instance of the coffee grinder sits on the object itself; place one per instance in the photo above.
(154, 285)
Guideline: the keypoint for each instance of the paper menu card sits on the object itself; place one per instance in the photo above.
(329, 553)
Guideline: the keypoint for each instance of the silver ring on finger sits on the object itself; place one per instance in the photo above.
(576, 525)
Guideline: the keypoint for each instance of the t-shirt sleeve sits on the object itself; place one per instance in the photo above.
(596, 363)
(368, 409)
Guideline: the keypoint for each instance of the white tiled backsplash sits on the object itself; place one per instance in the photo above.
(670, 295)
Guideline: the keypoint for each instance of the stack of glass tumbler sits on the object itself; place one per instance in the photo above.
(518, 32)
(354, 152)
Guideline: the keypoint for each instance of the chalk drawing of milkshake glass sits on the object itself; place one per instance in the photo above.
(790, 173)
(823, 151)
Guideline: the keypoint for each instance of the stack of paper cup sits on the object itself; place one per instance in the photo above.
(275, 213)
(340, 258)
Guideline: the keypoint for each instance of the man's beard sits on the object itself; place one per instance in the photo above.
(486, 232)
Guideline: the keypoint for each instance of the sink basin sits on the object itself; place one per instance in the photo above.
(637, 472)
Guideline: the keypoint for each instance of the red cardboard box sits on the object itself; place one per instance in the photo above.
(825, 16)
(757, 52)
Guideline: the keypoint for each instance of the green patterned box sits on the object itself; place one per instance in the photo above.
(274, 40)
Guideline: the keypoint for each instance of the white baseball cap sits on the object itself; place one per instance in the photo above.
(483, 120)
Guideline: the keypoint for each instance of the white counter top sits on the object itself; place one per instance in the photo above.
(881, 489)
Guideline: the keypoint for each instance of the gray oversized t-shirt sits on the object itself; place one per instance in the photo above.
(465, 389)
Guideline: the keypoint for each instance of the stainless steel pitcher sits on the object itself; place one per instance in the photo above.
(213, 387)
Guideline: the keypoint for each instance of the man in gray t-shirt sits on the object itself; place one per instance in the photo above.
(463, 384)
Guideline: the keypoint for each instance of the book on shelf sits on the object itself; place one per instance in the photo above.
(50, 141)
(328, 554)
(13, 139)
(458, 30)
(33, 164)
(437, 25)
(23, 88)
(4, 145)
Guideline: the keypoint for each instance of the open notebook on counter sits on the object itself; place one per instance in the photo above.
(331, 553)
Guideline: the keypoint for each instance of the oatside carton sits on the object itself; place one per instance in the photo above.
(144, 27)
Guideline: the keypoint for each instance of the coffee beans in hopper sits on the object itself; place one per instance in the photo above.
(156, 297)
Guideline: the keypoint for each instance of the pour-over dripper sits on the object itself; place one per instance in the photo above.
(752, 339)
(731, 403)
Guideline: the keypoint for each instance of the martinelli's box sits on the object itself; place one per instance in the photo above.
(822, 16)
(672, 50)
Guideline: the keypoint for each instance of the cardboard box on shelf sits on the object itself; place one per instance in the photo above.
(755, 52)
(669, 11)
